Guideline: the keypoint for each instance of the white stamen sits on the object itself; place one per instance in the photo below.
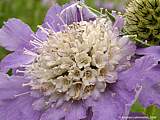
(43, 29)
(25, 66)
(67, 8)
(22, 94)
(101, 10)
(61, 19)
(20, 71)
(37, 39)
(28, 52)
(36, 43)
(52, 31)
(49, 26)
(81, 12)
(26, 84)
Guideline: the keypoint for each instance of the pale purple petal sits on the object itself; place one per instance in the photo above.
(19, 109)
(150, 51)
(53, 114)
(69, 111)
(146, 75)
(137, 72)
(150, 93)
(39, 104)
(76, 111)
(69, 13)
(15, 34)
(57, 17)
(119, 23)
(113, 104)
(52, 19)
(15, 60)
(11, 86)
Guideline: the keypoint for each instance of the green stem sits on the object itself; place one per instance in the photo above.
(92, 9)
(144, 43)
(100, 13)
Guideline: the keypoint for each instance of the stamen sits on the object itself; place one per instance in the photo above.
(67, 8)
(26, 84)
(101, 10)
(61, 19)
(37, 39)
(28, 52)
(49, 26)
(64, 23)
(43, 29)
(81, 12)
(54, 35)
(25, 66)
(18, 95)
(36, 43)
(20, 71)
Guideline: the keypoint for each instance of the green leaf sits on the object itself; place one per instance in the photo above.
(3, 53)
(137, 107)
(153, 112)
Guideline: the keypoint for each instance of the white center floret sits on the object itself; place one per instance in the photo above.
(80, 61)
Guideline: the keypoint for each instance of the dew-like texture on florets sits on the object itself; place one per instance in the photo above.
(142, 18)
(80, 61)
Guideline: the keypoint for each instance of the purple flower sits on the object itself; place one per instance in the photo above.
(75, 67)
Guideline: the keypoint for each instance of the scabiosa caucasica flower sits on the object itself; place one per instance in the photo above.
(75, 67)
(142, 19)
(79, 61)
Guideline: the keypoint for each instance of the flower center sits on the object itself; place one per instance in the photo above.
(80, 61)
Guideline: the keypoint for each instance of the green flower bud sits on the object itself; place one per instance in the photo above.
(142, 18)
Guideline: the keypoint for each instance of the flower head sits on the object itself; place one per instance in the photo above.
(75, 67)
(79, 61)
(142, 19)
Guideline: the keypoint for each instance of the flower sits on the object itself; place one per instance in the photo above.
(142, 19)
(75, 67)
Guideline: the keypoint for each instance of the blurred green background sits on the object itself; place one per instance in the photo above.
(33, 12)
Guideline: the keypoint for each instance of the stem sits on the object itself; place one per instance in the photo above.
(90, 8)
(144, 43)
